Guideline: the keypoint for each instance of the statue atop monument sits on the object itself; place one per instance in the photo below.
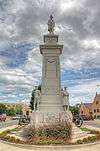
(51, 24)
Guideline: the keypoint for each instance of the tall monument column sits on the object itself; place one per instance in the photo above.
(50, 107)
(51, 100)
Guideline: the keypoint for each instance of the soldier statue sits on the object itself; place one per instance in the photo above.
(37, 98)
(51, 25)
(65, 99)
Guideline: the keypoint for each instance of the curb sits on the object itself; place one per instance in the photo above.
(6, 128)
(92, 128)
(49, 146)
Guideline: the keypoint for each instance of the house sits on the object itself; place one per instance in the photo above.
(86, 109)
(96, 106)
(91, 109)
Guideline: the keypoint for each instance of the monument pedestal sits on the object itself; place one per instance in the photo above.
(40, 119)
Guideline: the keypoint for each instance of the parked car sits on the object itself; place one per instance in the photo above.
(2, 117)
(17, 117)
(87, 117)
(24, 120)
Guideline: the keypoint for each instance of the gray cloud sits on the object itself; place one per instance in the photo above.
(77, 23)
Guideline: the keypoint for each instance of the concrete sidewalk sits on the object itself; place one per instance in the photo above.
(91, 127)
(7, 147)
(8, 128)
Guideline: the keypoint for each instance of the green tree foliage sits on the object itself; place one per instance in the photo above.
(74, 109)
(2, 108)
(39, 87)
(32, 100)
(18, 110)
(10, 112)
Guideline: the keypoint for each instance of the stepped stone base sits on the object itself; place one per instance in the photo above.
(40, 119)
(78, 134)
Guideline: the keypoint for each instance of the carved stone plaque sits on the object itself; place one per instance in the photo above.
(51, 68)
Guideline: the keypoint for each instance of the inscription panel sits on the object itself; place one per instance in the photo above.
(51, 67)
(50, 90)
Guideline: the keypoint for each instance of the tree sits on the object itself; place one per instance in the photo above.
(74, 109)
(39, 88)
(11, 112)
(32, 100)
(18, 110)
(2, 108)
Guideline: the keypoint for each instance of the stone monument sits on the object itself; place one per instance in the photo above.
(52, 104)
(50, 108)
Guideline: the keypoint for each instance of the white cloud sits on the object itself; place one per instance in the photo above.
(85, 90)
(91, 43)
(77, 23)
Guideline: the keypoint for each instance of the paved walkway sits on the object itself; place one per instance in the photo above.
(6, 128)
(6, 147)
(8, 123)
(95, 124)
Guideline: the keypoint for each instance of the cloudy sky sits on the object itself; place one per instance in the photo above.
(22, 25)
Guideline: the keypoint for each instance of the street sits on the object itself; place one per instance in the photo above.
(94, 123)
(8, 123)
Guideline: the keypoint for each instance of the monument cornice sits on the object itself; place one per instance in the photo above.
(44, 47)
(53, 36)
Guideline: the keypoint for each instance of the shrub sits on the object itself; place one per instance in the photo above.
(59, 130)
(94, 132)
(3, 134)
(7, 131)
(12, 139)
(79, 141)
(84, 129)
(85, 140)
(56, 132)
(6, 138)
(91, 138)
(28, 132)
(15, 129)
(48, 142)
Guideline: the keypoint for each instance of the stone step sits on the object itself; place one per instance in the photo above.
(78, 136)
(74, 139)
(79, 132)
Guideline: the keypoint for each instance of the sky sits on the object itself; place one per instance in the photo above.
(22, 26)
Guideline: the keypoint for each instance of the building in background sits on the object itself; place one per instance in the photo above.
(86, 109)
(26, 110)
(96, 106)
(91, 109)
